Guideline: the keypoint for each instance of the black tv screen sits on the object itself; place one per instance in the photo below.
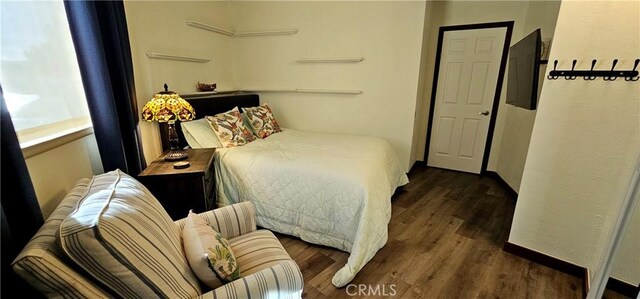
(524, 68)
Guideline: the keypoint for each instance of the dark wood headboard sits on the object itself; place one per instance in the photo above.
(210, 105)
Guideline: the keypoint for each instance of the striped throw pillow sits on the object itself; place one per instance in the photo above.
(121, 235)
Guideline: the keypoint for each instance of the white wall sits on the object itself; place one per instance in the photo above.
(626, 263)
(55, 172)
(448, 13)
(518, 122)
(527, 15)
(387, 34)
(585, 139)
(159, 26)
(423, 100)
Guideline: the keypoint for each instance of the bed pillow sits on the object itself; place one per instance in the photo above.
(230, 128)
(199, 134)
(208, 252)
(262, 121)
(121, 235)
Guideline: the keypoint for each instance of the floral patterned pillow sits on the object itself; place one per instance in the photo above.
(221, 260)
(262, 120)
(208, 253)
(230, 128)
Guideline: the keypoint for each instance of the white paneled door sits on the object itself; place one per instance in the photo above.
(467, 79)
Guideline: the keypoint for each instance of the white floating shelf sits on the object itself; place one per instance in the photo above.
(209, 27)
(176, 57)
(240, 34)
(301, 90)
(196, 94)
(266, 33)
(267, 90)
(331, 60)
(336, 91)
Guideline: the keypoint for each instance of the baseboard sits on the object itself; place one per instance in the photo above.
(416, 164)
(545, 260)
(551, 262)
(623, 288)
(503, 183)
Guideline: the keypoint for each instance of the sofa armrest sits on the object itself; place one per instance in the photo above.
(230, 221)
(283, 280)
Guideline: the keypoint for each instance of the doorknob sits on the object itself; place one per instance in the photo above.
(485, 113)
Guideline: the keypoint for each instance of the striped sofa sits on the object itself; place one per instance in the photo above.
(267, 270)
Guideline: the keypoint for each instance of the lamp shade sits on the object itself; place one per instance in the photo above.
(167, 106)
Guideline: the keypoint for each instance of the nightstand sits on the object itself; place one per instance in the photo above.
(180, 190)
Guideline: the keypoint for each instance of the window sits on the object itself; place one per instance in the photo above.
(39, 72)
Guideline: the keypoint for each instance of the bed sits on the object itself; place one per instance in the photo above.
(328, 189)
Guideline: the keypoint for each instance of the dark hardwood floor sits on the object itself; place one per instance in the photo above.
(445, 241)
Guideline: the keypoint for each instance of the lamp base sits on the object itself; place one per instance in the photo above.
(176, 155)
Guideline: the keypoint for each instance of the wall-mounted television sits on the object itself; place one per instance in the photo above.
(524, 69)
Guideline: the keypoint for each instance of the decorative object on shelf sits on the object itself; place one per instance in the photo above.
(206, 86)
(240, 34)
(176, 57)
(168, 107)
(591, 74)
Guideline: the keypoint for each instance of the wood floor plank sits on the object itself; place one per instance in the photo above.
(446, 235)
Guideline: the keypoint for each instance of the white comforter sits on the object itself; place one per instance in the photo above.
(327, 189)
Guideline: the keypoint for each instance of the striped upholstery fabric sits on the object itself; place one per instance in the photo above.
(230, 221)
(122, 236)
(266, 268)
(211, 266)
(283, 280)
(44, 265)
(257, 250)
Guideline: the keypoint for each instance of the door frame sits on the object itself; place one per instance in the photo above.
(496, 98)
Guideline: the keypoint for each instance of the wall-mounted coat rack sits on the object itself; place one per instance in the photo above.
(240, 34)
(607, 75)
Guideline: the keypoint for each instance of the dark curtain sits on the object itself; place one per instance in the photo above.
(99, 32)
(20, 212)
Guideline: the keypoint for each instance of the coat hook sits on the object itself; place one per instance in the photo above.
(573, 67)
(555, 64)
(635, 66)
(591, 77)
(613, 77)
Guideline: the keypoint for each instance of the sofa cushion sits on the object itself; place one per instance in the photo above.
(44, 265)
(121, 235)
(208, 252)
(257, 250)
